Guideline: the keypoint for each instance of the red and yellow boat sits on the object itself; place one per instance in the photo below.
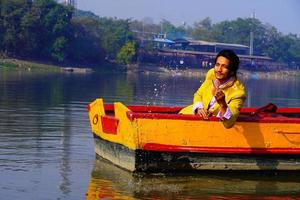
(157, 138)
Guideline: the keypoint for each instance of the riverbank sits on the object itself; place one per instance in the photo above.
(24, 65)
(16, 64)
(244, 73)
(279, 74)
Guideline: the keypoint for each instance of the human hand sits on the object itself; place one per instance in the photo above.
(203, 113)
(220, 98)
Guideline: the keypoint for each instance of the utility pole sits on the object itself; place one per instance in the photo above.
(251, 34)
(73, 4)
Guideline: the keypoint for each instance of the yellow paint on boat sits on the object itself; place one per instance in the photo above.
(193, 133)
(126, 131)
(95, 111)
(213, 134)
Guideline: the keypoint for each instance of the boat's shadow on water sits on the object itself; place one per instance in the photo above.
(110, 182)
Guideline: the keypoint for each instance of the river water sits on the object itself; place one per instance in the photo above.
(46, 145)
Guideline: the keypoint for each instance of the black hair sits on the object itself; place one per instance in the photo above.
(232, 57)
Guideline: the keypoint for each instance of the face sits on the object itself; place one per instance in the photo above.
(222, 71)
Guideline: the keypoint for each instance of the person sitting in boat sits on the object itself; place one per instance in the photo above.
(222, 94)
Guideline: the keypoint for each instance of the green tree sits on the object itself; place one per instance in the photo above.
(32, 33)
(58, 51)
(39, 28)
(172, 31)
(116, 34)
(294, 49)
(11, 12)
(267, 40)
(56, 27)
(86, 43)
(127, 53)
(202, 30)
(1, 27)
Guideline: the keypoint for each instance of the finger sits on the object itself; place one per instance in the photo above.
(220, 93)
(203, 113)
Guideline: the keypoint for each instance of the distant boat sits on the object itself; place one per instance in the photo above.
(156, 138)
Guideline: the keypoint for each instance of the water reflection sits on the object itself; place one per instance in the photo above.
(110, 182)
(282, 92)
(43, 137)
(46, 145)
(169, 89)
(47, 90)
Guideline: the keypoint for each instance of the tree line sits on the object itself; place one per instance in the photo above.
(47, 30)
(267, 40)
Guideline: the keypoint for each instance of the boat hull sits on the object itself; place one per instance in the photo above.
(115, 153)
(157, 139)
(163, 161)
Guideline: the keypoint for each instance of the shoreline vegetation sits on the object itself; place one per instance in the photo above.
(67, 37)
(11, 64)
(25, 65)
(191, 72)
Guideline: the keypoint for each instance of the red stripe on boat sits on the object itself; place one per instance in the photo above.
(166, 112)
(288, 110)
(175, 109)
(148, 109)
(109, 124)
(263, 118)
(134, 115)
(222, 150)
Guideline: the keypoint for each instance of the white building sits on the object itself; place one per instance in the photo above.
(71, 2)
(68, 2)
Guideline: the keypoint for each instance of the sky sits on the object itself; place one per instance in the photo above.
(282, 14)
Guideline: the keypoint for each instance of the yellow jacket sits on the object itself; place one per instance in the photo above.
(234, 97)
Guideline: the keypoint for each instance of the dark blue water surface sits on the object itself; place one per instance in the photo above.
(47, 152)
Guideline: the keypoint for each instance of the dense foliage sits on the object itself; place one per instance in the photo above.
(38, 29)
(267, 40)
(47, 30)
